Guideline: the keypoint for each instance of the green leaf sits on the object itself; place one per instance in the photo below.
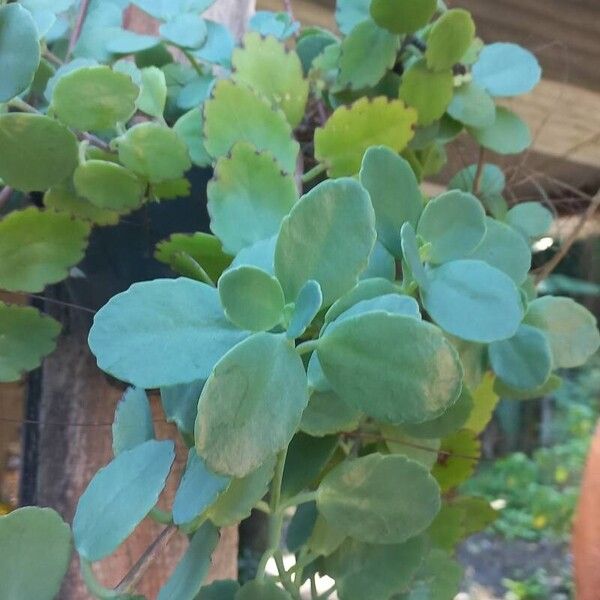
(154, 152)
(119, 496)
(63, 198)
(154, 92)
(237, 501)
(349, 13)
(391, 381)
(506, 70)
(186, 580)
(454, 224)
(254, 65)
(367, 53)
(341, 143)
(261, 590)
(427, 91)
(473, 301)
(20, 50)
(449, 39)
(204, 248)
(306, 457)
(491, 186)
(374, 571)
(421, 450)
(219, 590)
(248, 187)
(403, 16)
(252, 299)
(256, 123)
(571, 329)
(180, 404)
(133, 424)
(162, 332)
(37, 247)
(504, 248)
(324, 539)
(439, 578)
(507, 392)
(239, 426)
(530, 218)
(462, 450)
(523, 361)
(311, 45)
(186, 30)
(28, 570)
(94, 98)
(26, 336)
(328, 236)
(508, 134)
(472, 106)
(189, 128)
(306, 307)
(379, 499)
(42, 152)
(394, 193)
(108, 186)
(198, 490)
(327, 413)
(484, 403)
(301, 526)
(412, 265)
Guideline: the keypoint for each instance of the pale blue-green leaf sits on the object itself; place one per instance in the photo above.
(508, 134)
(168, 9)
(37, 550)
(454, 225)
(180, 404)
(189, 128)
(301, 526)
(133, 424)
(394, 304)
(123, 41)
(530, 218)
(103, 21)
(328, 236)
(306, 307)
(327, 414)
(382, 264)
(491, 186)
(504, 248)
(195, 91)
(218, 46)
(198, 490)
(44, 21)
(472, 105)
(394, 193)
(240, 425)
(186, 30)
(119, 496)
(316, 378)
(186, 580)
(473, 301)
(261, 254)
(278, 24)
(349, 13)
(506, 70)
(162, 332)
(412, 258)
(525, 360)
(421, 450)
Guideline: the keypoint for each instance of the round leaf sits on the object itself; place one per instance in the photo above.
(525, 360)
(108, 185)
(180, 405)
(26, 336)
(306, 307)
(122, 41)
(506, 70)
(349, 13)
(119, 496)
(327, 413)
(462, 451)
(491, 186)
(571, 329)
(454, 225)
(37, 247)
(261, 590)
(28, 570)
(240, 425)
(19, 48)
(133, 424)
(427, 91)
(379, 499)
(94, 98)
(255, 64)
(449, 39)
(252, 299)
(186, 30)
(508, 134)
(473, 301)
(154, 92)
(42, 152)
(530, 218)
(341, 143)
(368, 52)
(189, 128)
(162, 332)
(389, 303)
(472, 106)
(154, 152)
(370, 363)
(248, 187)
(403, 16)
(412, 265)
(328, 236)
(256, 122)
(225, 589)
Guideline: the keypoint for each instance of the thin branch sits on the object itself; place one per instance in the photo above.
(566, 245)
(5, 195)
(287, 5)
(478, 171)
(79, 21)
(50, 56)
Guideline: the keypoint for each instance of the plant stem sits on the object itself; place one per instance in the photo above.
(301, 498)
(79, 21)
(284, 576)
(93, 585)
(22, 105)
(50, 56)
(313, 173)
(478, 171)
(192, 60)
(327, 592)
(306, 347)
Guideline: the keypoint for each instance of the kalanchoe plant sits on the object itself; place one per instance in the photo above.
(333, 352)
